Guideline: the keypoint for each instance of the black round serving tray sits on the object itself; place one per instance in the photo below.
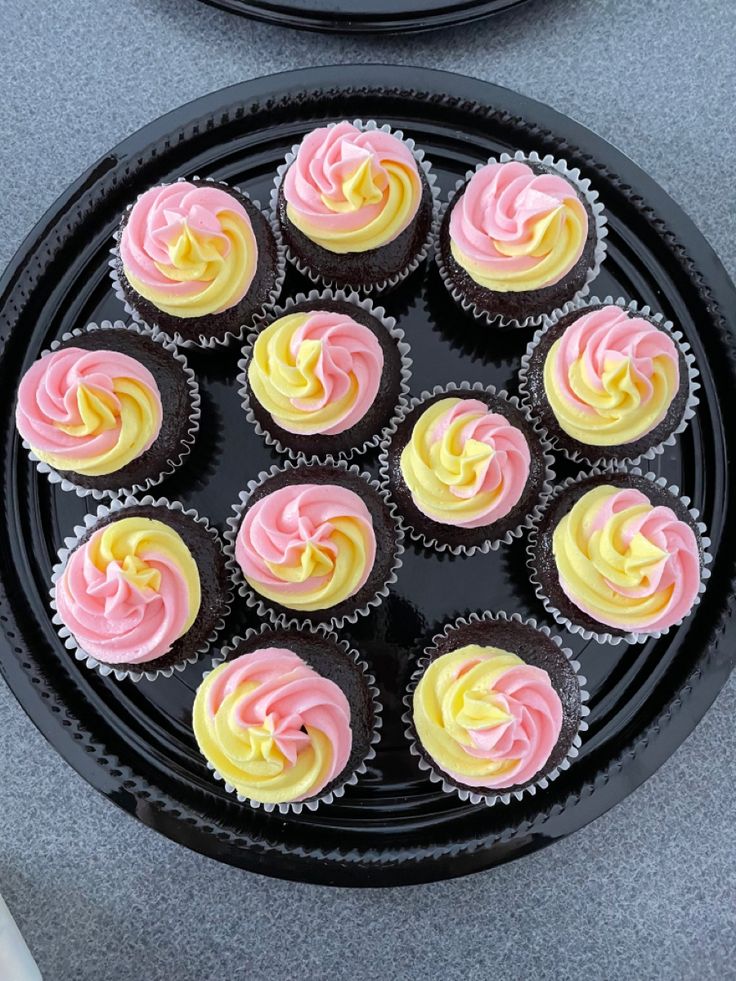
(366, 16)
(133, 742)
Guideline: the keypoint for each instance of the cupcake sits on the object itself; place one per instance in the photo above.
(355, 205)
(325, 376)
(466, 468)
(608, 382)
(519, 238)
(108, 409)
(316, 540)
(618, 556)
(289, 719)
(495, 708)
(197, 260)
(141, 589)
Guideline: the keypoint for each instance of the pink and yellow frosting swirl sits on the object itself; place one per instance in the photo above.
(487, 718)
(189, 249)
(316, 372)
(626, 563)
(272, 727)
(129, 591)
(90, 412)
(610, 378)
(352, 190)
(514, 230)
(307, 547)
(464, 464)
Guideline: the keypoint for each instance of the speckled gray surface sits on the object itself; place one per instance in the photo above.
(649, 890)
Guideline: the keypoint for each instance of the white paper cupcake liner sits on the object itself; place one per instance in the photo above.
(604, 636)
(185, 444)
(391, 281)
(430, 540)
(260, 604)
(594, 455)
(583, 186)
(214, 340)
(296, 807)
(496, 796)
(316, 297)
(112, 507)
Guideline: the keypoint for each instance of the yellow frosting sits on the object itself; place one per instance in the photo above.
(451, 700)
(138, 416)
(621, 413)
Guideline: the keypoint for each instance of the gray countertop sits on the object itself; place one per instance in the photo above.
(647, 891)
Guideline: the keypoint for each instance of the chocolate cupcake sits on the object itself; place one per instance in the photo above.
(618, 556)
(108, 410)
(495, 708)
(608, 382)
(355, 204)
(325, 375)
(315, 541)
(467, 468)
(198, 261)
(309, 738)
(141, 589)
(519, 238)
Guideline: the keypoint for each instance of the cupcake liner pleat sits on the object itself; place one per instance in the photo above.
(317, 296)
(260, 604)
(185, 445)
(115, 506)
(390, 281)
(603, 636)
(491, 544)
(583, 186)
(216, 340)
(296, 807)
(494, 797)
(588, 456)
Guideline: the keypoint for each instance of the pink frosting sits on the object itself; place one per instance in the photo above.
(276, 529)
(159, 216)
(348, 349)
(329, 155)
(47, 399)
(501, 203)
(505, 473)
(526, 693)
(114, 620)
(292, 696)
(608, 334)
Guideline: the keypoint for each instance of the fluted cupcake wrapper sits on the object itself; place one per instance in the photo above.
(583, 186)
(214, 340)
(317, 630)
(390, 281)
(317, 296)
(604, 636)
(115, 507)
(260, 604)
(185, 445)
(492, 543)
(496, 796)
(595, 456)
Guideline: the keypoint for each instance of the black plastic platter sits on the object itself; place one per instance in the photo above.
(366, 16)
(133, 742)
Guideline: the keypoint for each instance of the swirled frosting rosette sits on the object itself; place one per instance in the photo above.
(619, 556)
(609, 382)
(466, 467)
(520, 237)
(196, 259)
(355, 205)
(316, 540)
(495, 708)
